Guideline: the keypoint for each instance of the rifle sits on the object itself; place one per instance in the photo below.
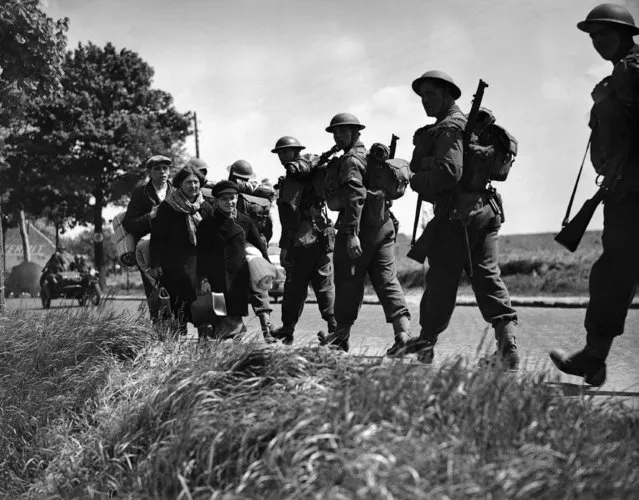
(572, 231)
(326, 156)
(419, 248)
(393, 146)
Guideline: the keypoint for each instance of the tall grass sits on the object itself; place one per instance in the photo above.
(237, 420)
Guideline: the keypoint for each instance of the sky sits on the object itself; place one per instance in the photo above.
(255, 70)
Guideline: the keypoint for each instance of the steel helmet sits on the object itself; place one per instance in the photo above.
(341, 119)
(241, 168)
(442, 77)
(609, 13)
(287, 142)
(199, 165)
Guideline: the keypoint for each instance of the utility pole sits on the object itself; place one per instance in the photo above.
(197, 139)
(2, 262)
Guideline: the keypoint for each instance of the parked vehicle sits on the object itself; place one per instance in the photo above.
(278, 283)
(23, 278)
(82, 286)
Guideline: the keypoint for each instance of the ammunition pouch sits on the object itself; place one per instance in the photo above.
(375, 212)
(327, 240)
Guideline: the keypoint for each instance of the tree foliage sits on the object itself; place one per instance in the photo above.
(32, 47)
(88, 145)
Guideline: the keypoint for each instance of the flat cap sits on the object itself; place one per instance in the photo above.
(224, 187)
(158, 160)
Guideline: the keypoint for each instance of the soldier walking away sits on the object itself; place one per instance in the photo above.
(143, 208)
(365, 239)
(463, 233)
(614, 123)
(307, 239)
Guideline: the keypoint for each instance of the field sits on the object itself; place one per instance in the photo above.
(93, 406)
(531, 264)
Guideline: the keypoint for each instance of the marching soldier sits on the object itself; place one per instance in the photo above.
(614, 127)
(463, 233)
(307, 239)
(365, 239)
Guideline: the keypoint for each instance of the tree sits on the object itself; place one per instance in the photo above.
(88, 145)
(31, 50)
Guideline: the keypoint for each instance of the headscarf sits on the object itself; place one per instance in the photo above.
(180, 204)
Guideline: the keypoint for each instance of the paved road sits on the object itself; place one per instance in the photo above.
(540, 330)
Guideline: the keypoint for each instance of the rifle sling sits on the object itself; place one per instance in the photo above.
(574, 189)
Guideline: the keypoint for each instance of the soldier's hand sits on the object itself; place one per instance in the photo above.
(283, 258)
(353, 246)
(154, 211)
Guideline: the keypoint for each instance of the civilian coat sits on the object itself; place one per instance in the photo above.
(221, 257)
(172, 250)
(137, 220)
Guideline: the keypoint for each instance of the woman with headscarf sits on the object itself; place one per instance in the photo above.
(174, 241)
(222, 261)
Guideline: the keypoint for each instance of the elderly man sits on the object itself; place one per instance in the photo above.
(614, 153)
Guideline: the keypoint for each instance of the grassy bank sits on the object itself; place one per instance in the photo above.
(93, 406)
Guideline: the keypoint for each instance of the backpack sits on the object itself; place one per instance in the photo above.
(392, 175)
(491, 154)
(258, 209)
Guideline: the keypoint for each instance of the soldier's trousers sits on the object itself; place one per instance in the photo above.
(446, 259)
(259, 300)
(378, 261)
(614, 277)
(308, 264)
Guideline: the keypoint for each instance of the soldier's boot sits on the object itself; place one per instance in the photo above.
(265, 323)
(339, 339)
(332, 326)
(401, 328)
(423, 346)
(284, 333)
(507, 345)
(589, 363)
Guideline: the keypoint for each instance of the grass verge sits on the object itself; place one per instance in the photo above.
(93, 407)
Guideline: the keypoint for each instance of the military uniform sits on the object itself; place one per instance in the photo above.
(366, 214)
(308, 239)
(462, 234)
(614, 122)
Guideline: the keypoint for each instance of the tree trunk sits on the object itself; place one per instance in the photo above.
(2, 263)
(98, 237)
(26, 248)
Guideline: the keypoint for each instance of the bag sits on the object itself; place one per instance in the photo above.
(261, 271)
(327, 240)
(160, 301)
(491, 154)
(258, 209)
(375, 212)
(207, 307)
(390, 174)
(143, 252)
(125, 242)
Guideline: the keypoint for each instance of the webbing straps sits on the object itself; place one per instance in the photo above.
(574, 189)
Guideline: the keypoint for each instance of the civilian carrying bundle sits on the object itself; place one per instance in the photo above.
(125, 242)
